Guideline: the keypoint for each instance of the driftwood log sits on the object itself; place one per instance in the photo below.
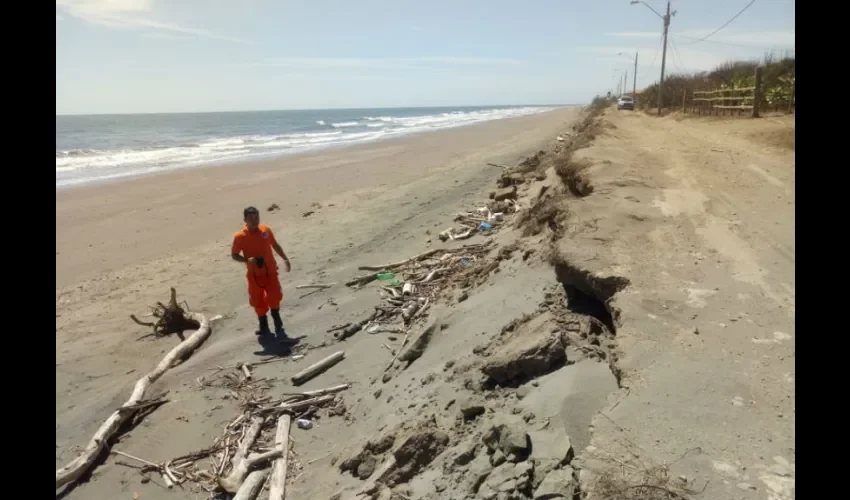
(73, 470)
(317, 368)
(171, 318)
(237, 475)
(252, 486)
(319, 286)
(277, 487)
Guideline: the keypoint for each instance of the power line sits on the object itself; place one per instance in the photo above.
(676, 56)
(721, 43)
(727, 23)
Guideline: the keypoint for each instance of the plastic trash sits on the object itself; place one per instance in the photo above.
(394, 282)
(303, 423)
(385, 276)
(486, 227)
(498, 216)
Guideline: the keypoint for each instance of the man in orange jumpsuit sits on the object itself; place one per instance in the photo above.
(255, 243)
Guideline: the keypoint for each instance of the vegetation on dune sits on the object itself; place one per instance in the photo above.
(778, 76)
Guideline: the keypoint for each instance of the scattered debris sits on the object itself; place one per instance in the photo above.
(273, 207)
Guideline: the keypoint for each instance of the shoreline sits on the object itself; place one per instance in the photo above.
(106, 226)
(280, 155)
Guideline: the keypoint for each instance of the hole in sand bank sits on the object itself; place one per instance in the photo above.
(590, 294)
(582, 303)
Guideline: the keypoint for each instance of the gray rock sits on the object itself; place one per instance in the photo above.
(501, 479)
(551, 443)
(470, 409)
(497, 458)
(514, 441)
(487, 493)
(476, 474)
(508, 193)
(558, 483)
(522, 392)
(367, 466)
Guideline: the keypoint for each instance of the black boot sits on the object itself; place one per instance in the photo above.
(279, 330)
(278, 322)
(264, 326)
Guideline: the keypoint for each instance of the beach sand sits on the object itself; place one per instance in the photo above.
(121, 245)
(680, 243)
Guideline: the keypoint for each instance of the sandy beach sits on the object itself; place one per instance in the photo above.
(121, 245)
(600, 344)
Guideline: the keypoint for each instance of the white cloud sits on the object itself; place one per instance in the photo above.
(389, 62)
(130, 14)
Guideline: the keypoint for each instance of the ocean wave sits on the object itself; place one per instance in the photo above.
(74, 166)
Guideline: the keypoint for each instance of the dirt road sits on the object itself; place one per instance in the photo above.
(699, 215)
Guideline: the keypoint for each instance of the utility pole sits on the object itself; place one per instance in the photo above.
(634, 87)
(625, 82)
(663, 58)
(666, 18)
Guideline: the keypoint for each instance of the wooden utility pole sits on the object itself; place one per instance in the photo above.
(634, 85)
(625, 82)
(757, 93)
(663, 58)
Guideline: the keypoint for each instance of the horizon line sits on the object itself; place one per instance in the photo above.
(316, 109)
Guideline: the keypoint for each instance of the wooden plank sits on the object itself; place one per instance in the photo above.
(743, 89)
(733, 107)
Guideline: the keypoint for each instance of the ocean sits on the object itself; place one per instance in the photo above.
(93, 148)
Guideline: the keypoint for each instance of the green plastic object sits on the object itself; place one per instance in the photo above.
(385, 276)
(395, 283)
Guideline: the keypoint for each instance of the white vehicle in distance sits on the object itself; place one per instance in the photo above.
(626, 102)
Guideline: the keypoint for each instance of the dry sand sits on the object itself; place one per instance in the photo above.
(120, 246)
(688, 236)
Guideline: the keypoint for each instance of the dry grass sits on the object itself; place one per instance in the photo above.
(548, 213)
(623, 472)
(572, 174)
(648, 484)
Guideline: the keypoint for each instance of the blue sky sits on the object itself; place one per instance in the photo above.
(143, 56)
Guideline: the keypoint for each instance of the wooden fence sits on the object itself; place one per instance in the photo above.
(722, 102)
(744, 101)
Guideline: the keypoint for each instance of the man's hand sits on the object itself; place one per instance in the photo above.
(251, 261)
(287, 264)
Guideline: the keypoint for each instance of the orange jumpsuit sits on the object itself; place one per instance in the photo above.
(264, 289)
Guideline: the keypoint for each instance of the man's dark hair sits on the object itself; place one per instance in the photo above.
(250, 210)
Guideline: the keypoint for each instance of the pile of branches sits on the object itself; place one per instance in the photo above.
(420, 280)
(251, 454)
(481, 220)
(239, 382)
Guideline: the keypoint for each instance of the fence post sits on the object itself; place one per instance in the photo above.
(684, 96)
(757, 93)
(791, 97)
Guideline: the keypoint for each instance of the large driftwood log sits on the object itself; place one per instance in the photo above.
(252, 486)
(234, 480)
(277, 487)
(317, 368)
(73, 470)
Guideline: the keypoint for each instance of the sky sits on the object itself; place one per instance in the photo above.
(161, 56)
